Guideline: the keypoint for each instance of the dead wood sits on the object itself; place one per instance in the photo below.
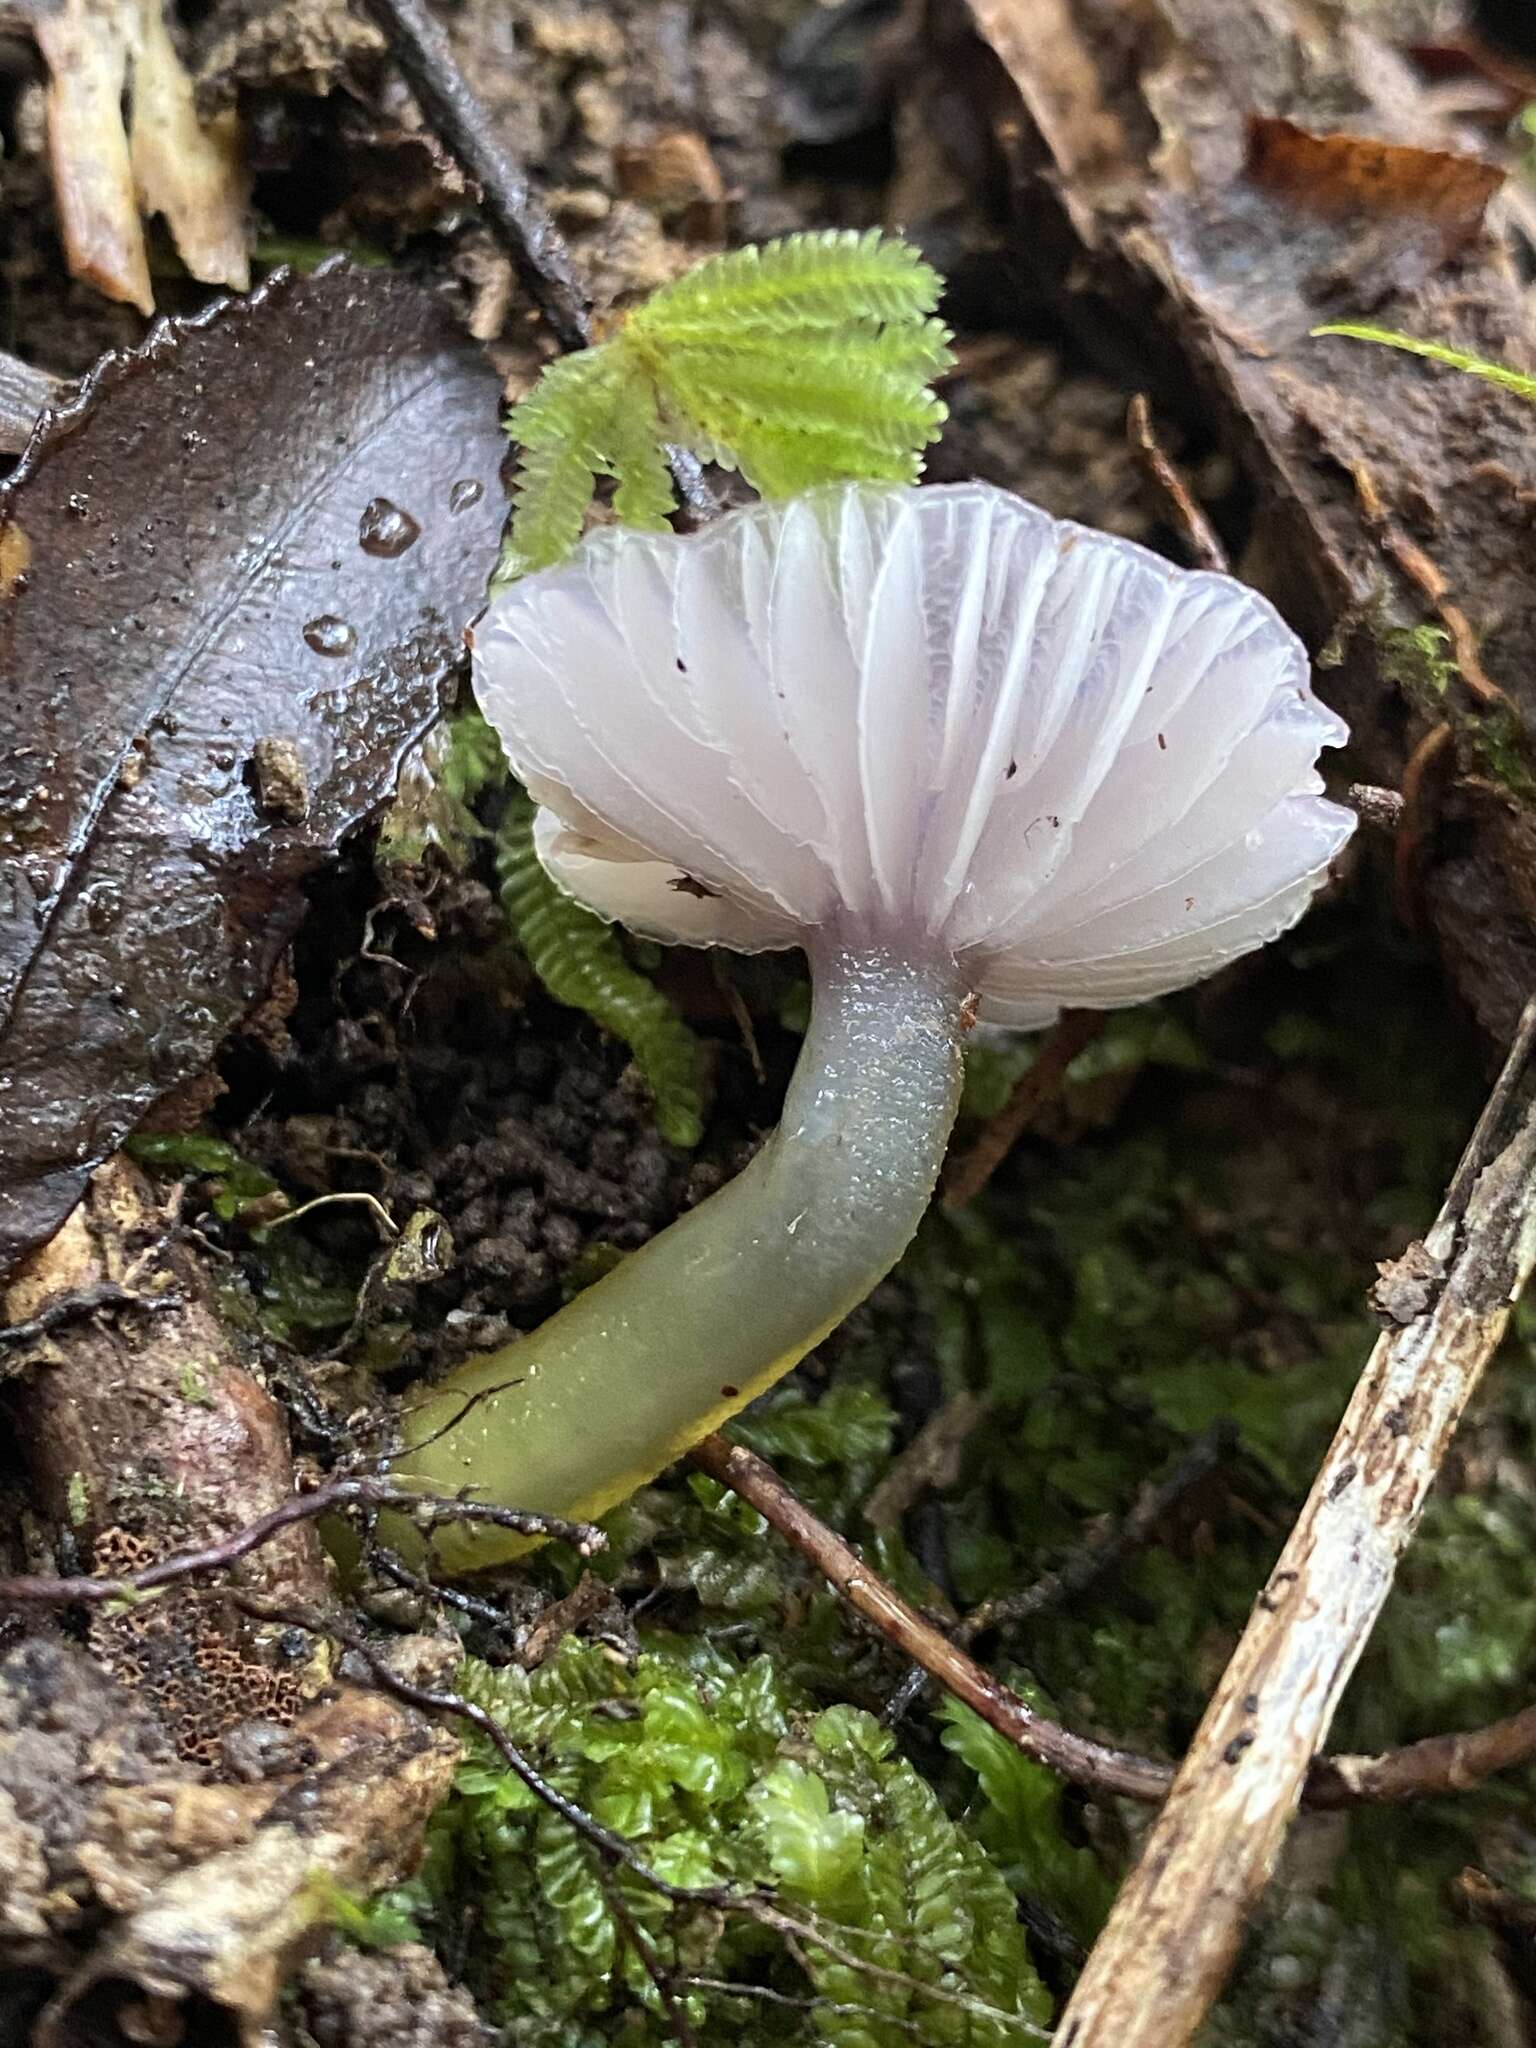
(1166, 1949)
(146, 1434)
(154, 1895)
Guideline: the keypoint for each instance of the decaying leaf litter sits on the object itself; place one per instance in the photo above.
(1182, 1241)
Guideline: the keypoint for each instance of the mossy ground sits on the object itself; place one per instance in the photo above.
(1180, 1254)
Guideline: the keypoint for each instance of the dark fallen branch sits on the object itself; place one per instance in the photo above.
(418, 44)
(517, 215)
(86, 1301)
(425, 1511)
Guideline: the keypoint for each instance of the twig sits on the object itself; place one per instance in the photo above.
(1074, 1756)
(1412, 825)
(1200, 538)
(522, 223)
(1087, 1565)
(827, 2008)
(425, 56)
(650, 1962)
(87, 1301)
(1094, 1561)
(1431, 581)
(1169, 1942)
(381, 1215)
(1039, 1084)
(471, 1605)
(1439, 1764)
(426, 1511)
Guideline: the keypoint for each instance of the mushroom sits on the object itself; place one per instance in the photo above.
(968, 757)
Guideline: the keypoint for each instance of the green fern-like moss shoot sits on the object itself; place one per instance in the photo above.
(1518, 381)
(805, 361)
(579, 960)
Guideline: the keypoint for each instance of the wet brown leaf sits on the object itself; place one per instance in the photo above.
(233, 576)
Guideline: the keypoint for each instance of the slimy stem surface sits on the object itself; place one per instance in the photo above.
(573, 1418)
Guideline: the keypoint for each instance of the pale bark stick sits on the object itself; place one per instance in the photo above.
(1164, 1954)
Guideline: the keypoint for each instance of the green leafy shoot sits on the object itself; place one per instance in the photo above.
(235, 1181)
(804, 361)
(1518, 381)
(579, 960)
(723, 1774)
(379, 1922)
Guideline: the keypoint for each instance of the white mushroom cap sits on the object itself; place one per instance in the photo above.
(935, 719)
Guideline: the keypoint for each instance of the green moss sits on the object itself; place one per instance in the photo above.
(1186, 1247)
(721, 1773)
(234, 1182)
(1419, 661)
(192, 1385)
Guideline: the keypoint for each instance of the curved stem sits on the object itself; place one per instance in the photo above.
(633, 1372)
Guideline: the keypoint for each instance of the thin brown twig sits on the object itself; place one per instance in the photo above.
(1432, 583)
(1201, 540)
(650, 1962)
(426, 1511)
(1439, 1764)
(787, 2001)
(1166, 1949)
(1074, 1756)
(1040, 1083)
(1413, 825)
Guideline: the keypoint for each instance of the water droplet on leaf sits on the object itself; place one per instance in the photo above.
(330, 635)
(466, 492)
(385, 530)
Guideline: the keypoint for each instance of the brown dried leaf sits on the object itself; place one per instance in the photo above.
(252, 544)
(1343, 175)
(99, 54)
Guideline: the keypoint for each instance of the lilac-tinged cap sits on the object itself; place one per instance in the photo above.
(935, 719)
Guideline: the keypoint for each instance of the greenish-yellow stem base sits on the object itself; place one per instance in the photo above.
(599, 1399)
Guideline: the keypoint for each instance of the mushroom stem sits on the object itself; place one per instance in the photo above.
(639, 1367)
